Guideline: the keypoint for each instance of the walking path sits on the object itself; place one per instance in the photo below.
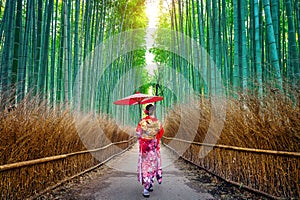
(117, 179)
(124, 185)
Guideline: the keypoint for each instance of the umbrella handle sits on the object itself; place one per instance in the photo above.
(140, 110)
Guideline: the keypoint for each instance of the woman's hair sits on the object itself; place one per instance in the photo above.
(148, 108)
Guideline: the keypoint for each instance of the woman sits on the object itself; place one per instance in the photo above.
(149, 132)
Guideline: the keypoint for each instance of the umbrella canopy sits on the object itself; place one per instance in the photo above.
(138, 98)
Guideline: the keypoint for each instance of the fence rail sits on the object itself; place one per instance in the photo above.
(58, 157)
(274, 174)
(287, 153)
(28, 178)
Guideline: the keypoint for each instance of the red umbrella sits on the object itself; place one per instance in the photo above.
(138, 98)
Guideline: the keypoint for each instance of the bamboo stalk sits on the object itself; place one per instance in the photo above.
(295, 154)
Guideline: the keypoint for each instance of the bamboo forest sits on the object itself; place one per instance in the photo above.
(224, 77)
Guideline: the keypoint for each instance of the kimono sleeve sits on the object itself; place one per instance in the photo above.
(138, 130)
(160, 133)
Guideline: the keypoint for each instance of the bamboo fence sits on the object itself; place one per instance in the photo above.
(274, 174)
(30, 178)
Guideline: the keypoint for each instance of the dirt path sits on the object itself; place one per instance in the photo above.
(118, 180)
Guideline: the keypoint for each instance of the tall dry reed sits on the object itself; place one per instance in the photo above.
(271, 123)
(33, 130)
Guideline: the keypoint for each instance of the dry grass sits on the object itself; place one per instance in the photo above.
(32, 130)
(273, 125)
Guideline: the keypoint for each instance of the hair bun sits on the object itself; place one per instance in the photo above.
(149, 106)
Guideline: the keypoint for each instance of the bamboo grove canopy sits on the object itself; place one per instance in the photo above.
(253, 48)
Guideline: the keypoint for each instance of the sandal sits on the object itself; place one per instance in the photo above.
(146, 193)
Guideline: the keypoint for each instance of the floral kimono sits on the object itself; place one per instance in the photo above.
(149, 131)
